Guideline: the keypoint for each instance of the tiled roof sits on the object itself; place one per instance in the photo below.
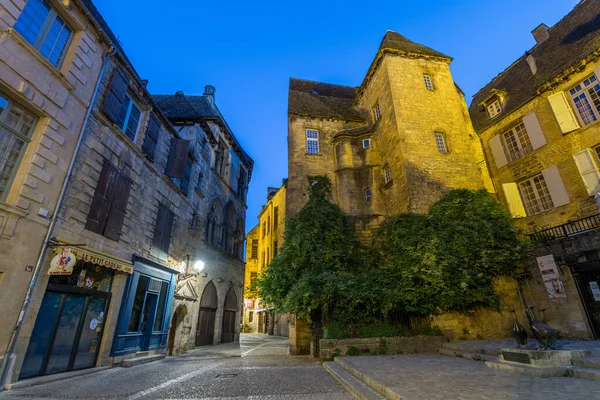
(323, 100)
(571, 40)
(182, 106)
(354, 132)
(394, 40)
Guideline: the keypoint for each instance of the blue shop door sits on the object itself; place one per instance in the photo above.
(148, 321)
(66, 334)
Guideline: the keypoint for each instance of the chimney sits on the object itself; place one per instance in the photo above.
(179, 93)
(531, 62)
(209, 92)
(541, 33)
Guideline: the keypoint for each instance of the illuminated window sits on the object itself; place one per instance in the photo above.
(516, 143)
(586, 98)
(535, 194)
(494, 108)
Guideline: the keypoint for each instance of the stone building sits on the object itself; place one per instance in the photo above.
(396, 143)
(263, 243)
(538, 120)
(47, 83)
(152, 221)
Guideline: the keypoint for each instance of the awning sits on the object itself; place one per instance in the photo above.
(98, 258)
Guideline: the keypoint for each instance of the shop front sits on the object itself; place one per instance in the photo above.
(143, 323)
(70, 323)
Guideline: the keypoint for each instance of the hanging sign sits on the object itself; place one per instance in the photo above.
(95, 258)
(595, 290)
(63, 263)
(551, 277)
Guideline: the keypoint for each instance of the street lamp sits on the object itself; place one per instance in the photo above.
(199, 266)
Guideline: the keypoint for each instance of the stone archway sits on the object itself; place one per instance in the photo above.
(230, 307)
(178, 333)
(205, 331)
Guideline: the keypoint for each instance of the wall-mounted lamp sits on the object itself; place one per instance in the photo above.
(199, 266)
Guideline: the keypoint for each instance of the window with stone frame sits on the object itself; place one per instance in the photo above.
(250, 316)
(312, 141)
(130, 115)
(597, 151)
(366, 143)
(516, 143)
(275, 217)
(275, 248)
(494, 107)
(535, 194)
(254, 248)
(428, 82)
(253, 277)
(440, 141)
(387, 173)
(586, 99)
(16, 128)
(376, 111)
(368, 195)
(45, 30)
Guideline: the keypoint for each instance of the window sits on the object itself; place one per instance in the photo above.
(138, 304)
(200, 180)
(41, 26)
(109, 204)
(312, 141)
(254, 248)
(275, 248)
(263, 258)
(250, 316)
(366, 143)
(494, 108)
(428, 82)
(368, 195)
(253, 276)
(597, 150)
(376, 112)
(160, 309)
(177, 162)
(163, 228)
(388, 174)
(586, 97)
(130, 116)
(16, 128)
(151, 139)
(242, 183)
(264, 229)
(535, 194)
(184, 184)
(268, 224)
(516, 143)
(275, 217)
(440, 141)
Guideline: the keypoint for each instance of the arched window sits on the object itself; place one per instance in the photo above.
(238, 240)
(214, 221)
(228, 228)
(368, 195)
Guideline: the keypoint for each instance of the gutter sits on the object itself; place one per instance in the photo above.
(10, 358)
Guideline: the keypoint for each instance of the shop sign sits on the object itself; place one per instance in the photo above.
(250, 303)
(93, 258)
(595, 290)
(63, 262)
(551, 277)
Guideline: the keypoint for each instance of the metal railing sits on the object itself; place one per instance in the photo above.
(569, 229)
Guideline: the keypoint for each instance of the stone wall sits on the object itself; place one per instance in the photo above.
(330, 348)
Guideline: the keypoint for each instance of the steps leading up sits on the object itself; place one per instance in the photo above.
(467, 355)
(372, 383)
(586, 373)
(132, 362)
(356, 387)
(547, 372)
(587, 362)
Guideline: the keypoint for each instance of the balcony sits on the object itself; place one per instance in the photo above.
(567, 230)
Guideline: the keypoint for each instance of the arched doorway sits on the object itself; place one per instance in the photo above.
(175, 334)
(229, 309)
(205, 331)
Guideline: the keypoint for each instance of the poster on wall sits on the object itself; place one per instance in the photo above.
(551, 277)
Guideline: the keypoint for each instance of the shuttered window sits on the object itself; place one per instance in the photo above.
(116, 96)
(563, 112)
(151, 139)
(109, 204)
(254, 248)
(588, 171)
(163, 228)
(178, 157)
(185, 181)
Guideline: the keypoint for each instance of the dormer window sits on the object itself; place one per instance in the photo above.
(494, 108)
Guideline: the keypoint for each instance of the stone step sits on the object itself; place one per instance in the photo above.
(586, 373)
(358, 389)
(546, 372)
(461, 347)
(372, 383)
(468, 355)
(587, 362)
(132, 362)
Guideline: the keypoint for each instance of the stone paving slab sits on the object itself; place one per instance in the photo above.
(491, 345)
(431, 377)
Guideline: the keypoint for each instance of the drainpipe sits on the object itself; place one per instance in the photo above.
(9, 358)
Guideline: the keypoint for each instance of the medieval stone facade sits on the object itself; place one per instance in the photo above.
(538, 120)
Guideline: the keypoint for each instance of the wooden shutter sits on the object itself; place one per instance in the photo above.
(513, 198)
(498, 151)
(118, 209)
(588, 171)
(555, 185)
(563, 112)
(534, 130)
(103, 195)
(151, 140)
(116, 95)
(177, 158)
(163, 228)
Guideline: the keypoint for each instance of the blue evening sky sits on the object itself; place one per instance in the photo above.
(248, 50)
